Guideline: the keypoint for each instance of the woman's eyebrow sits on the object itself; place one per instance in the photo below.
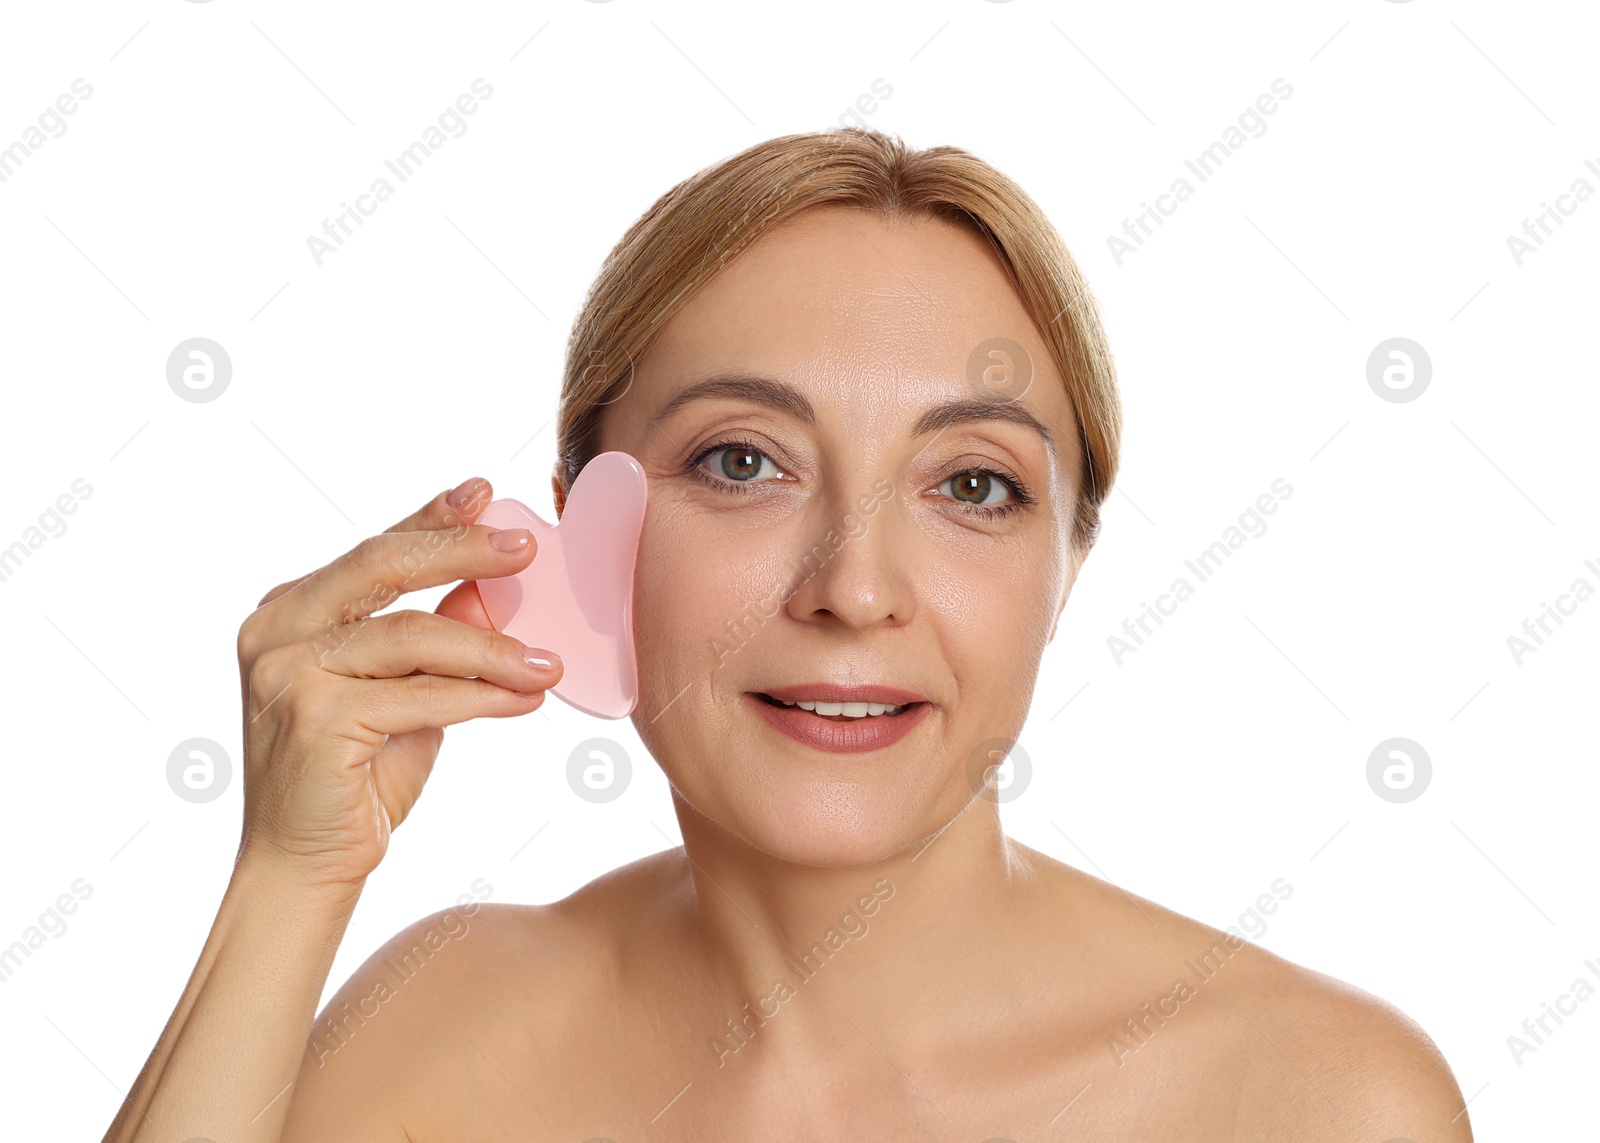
(746, 387)
(784, 396)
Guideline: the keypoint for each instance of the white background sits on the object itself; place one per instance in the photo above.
(1228, 751)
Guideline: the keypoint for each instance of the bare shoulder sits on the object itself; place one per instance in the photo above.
(459, 998)
(391, 1038)
(1218, 1031)
(1357, 1066)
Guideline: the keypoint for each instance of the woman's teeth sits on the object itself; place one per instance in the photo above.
(845, 709)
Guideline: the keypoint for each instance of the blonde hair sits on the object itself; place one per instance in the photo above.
(693, 230)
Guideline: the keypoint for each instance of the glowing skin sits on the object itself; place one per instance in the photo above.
(872, 325)
(981, 989)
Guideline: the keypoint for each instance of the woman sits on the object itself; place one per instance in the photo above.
(878, 415)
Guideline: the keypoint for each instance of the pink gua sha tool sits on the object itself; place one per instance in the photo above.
(576, 597)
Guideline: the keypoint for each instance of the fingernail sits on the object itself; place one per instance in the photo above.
(463, 492)
(510, 539)
(543, 660)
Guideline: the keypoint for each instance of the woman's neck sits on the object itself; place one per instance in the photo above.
(797, 954)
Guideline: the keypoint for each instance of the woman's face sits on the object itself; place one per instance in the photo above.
(820, 521)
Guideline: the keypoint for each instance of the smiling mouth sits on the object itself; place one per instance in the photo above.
(842, 711)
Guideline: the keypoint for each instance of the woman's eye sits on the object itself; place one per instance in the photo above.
(978, 489)
(735, 467)
(740, 464)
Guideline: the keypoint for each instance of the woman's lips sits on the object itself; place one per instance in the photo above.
(838, 735)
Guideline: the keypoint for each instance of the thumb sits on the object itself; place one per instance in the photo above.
(465, 604)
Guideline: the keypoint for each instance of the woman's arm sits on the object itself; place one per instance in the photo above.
(226, 1059)
(344, 713)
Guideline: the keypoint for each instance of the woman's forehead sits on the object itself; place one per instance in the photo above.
(841, 302)
(854, 274)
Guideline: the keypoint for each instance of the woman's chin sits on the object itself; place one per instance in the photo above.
(825, 834)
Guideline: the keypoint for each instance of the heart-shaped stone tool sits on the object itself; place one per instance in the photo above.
(576, 597)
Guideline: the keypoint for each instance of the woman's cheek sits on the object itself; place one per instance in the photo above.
(990, 620)
(664, 597)
(700, 604)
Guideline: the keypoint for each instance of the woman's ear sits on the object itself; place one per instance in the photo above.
(560, 492)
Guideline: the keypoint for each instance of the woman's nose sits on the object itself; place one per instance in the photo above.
(856, 565)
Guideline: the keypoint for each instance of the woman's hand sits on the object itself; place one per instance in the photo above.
(344, 710)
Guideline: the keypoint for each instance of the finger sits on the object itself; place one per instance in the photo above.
(401, 768)
(450, 508)
(379, 570)
(283, 588)
(400, 706)
(406, 642)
